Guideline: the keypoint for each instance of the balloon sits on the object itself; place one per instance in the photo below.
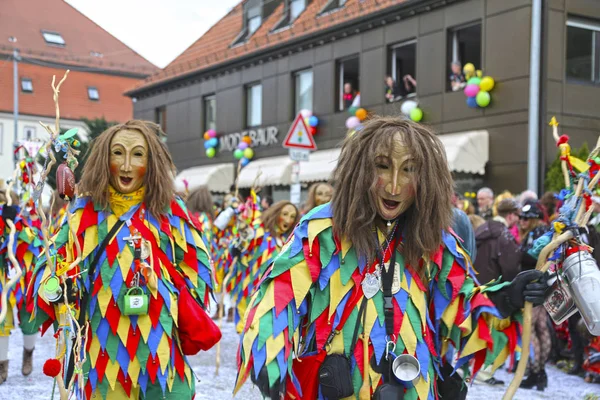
(248, 153)
(313, 121)
(361, 114)
(213, 142)
(352, 122)
(247, 139)
(416, 114)
(244, 161)
(207, 144)
(407, 107)
(212, 133)
(472, 102)
(306, 122)
(483, 99)
(487, 83)
(242, 145)
(312, 130)
(210, 152)
(206, 135)
(352, 110)
(474, 81)
(471, 90)
(305, 113)
(238, 154)
(469, 69)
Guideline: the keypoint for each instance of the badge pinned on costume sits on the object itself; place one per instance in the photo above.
(146, 249)
(370, 285)
(397, 279)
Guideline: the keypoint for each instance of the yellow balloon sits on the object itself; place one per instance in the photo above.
(469, 69)
(487, 83)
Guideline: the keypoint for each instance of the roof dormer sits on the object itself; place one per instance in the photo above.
(254, 13)
(292, 10)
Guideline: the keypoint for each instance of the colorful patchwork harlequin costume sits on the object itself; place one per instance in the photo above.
(132, 356)
(27, 248)
(316, 282)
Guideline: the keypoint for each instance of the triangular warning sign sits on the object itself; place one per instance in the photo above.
(299, 136)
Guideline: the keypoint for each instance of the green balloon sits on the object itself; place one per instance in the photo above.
(238, 154)
(416, 114)
(352, 110)
(474, 81)
(483, 99)
(210, 152)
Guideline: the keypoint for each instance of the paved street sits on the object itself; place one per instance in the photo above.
(39, 387)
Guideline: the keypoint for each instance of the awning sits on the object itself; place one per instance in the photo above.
(273, 171)
(320, 165)
(217, 177)
(467, 151)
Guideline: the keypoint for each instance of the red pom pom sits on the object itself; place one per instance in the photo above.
(52, 367)
(313, 130)
(562, 139)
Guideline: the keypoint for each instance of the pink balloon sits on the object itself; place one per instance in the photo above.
(471, 90)
(352, 122)
(242, 145)
(306, 113)
(211, 133)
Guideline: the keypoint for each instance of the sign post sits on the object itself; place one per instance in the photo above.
(301, 143)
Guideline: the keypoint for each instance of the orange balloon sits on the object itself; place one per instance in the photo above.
(247, 139)
(206, 137)
(361, 114)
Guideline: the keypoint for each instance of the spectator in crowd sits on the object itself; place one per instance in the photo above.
(514, 229)
(350, 96)
(531, 227)
(463, 228)
(266, 202)
(485, 201)
(409, 85)
(457, 79)
(476, 221)
(549, 203)
(392, 90)
(526, 196)
(498, 256)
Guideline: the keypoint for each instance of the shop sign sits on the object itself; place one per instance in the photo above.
(261, 137)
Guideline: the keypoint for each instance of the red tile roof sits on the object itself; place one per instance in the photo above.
(214, 47)
(74, 101)
(25, 20)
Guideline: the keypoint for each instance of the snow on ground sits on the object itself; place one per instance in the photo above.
(37, 386)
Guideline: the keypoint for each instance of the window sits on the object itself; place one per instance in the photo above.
(254, 105)
(348, 82)
(29, 132)
(332, 5)
(26, 85)
(252, 20)
(53, 38)
(583, 50)
(210, 113)
(293, 9)
(464, 46)
(402, 69)
(160, 117)
(93, 93)
(96, 54)
(303, 90)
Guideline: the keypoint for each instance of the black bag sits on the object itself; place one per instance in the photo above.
(335, 377)
(451, 387)
(389, 391)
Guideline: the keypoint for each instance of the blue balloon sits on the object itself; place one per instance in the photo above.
(244, 161)
(472, 102)
(313, 121)
(213, 142)
(207, 144)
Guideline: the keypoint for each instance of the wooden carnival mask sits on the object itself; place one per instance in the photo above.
(323, 194)
(128, 160)
(287, 216)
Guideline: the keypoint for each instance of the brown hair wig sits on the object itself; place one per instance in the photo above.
(353, 202)
(312, 193)
(271, 217)
(158, 181)
(200, 201)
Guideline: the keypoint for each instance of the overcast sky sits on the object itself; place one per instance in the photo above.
(159, 30)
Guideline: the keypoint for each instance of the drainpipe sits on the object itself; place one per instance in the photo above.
(534, 96)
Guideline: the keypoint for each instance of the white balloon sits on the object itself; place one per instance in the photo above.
(408, 106)
(352, 122)
(305, 113)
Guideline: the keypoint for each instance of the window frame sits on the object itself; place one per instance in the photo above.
(455, 56)
(594, 27)
(52, 43)
(332, 6)
(160, 117)
(205, 100)
(27, 129)
(339, 70)
(296, 76)
(30, 81)
(89, 91)
(287, 20)
(247, 95)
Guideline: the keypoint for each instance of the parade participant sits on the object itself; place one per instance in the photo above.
(57, 212)
(200, 204)
(531, 227)
(260, 239)
(318, 194)
(26, 249)
(142, 279)
(320, 325)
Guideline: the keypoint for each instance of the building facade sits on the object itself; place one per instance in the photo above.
(257, 67)
(48, 37)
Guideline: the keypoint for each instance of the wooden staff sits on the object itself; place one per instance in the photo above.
(365, 389)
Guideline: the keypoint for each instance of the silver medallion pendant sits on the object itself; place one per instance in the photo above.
(146, 248)
(396, 282)
(370, 285)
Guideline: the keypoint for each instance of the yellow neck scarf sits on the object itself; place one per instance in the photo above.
(120, 203)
